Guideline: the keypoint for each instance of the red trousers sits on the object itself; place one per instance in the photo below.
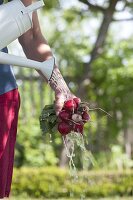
(9, 108)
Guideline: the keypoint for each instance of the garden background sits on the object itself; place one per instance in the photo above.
(92, 41)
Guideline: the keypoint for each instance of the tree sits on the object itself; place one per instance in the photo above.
(108, 13)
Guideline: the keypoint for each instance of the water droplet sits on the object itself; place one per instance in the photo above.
(50, 138)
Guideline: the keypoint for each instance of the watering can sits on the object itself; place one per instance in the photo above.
(15, 20)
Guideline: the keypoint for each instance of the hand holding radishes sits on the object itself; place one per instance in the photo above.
(70, 123)
(60, 98)
(71, 118)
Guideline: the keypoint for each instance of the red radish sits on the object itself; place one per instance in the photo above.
(85, 116)
(70, 105)
(64, 128)
(78, 128)
(76, 117)
(77, 100)
(64, 115)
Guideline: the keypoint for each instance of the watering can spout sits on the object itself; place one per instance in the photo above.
(34, 6)
(45, 68)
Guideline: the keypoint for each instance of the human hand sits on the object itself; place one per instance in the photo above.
(60, 98)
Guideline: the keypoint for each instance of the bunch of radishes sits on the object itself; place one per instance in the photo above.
(73, 117)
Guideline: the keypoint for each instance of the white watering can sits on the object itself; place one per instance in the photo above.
(16, 19)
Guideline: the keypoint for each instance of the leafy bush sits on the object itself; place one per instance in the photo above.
(56, 183)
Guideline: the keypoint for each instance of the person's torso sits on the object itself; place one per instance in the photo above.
(7, 79)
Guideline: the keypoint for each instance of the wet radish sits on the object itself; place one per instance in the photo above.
(64, 115)
(64, 128)
(77, 100)
(78, 128)
(76, 117)
(70, 105)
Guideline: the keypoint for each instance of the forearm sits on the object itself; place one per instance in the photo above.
(34, 44)
(36, 47)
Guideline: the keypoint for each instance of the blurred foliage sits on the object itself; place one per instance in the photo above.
(115, 159)
(51, 4)
(71, 34)
(32, 148)
(57, 183)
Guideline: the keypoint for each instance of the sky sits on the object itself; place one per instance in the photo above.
(121, 30)
(125, 27)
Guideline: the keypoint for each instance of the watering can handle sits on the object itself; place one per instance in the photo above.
(33, 7)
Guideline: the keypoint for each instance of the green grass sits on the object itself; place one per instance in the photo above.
(112, 198)
(53, 182)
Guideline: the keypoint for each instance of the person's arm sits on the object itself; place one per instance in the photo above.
(36, 47)
(33, 42)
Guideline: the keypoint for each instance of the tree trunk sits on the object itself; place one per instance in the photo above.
(98, 46)
(128, 140)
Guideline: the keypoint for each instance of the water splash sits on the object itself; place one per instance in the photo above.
(70, 154)
(72, 139)
(50, 138)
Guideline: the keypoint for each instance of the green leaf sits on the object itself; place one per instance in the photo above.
(44, 126)
(52, 118)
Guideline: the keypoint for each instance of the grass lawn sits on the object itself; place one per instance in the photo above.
(112, 198)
